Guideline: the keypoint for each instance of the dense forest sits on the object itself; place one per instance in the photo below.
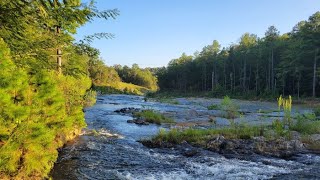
(275, 64)
(44, 81)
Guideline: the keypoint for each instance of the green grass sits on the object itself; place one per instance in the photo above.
(167, 100)
(317, 111)
(121, 88)
(198, 136)
(230, 107)
(213, 107)
(152, 116)
(306, 124)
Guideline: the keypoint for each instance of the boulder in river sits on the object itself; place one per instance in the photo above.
(188, 150)
(127, 110)
(138, 121)
(280, 148)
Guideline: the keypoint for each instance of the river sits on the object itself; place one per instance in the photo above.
(114, 153)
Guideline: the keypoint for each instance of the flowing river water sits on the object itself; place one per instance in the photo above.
(115, 153)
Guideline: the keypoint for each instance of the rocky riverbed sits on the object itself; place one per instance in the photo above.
(110, 148)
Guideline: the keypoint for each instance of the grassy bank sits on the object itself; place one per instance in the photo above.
(121, 88)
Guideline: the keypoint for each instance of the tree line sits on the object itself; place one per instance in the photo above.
(104, 76)
(137, 76)
(275, 64)
(45, 80)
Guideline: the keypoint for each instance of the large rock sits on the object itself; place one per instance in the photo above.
(127, 110)
(259, 145)
(156, 144)
(188, 150)
(138, 121)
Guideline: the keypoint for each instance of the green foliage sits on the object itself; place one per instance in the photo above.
(101, 74)
(138, 76)
(90, 98)
(279, 128)
(231, 108)
(107, 81)
(307, 124)
(196, 136)
(253, 68)
(214, 107)
(317, 111)
(121, 88)
(152, 116)
(40, 109)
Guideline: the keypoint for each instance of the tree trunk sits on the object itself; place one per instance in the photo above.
(283, 83)
(225, 75)
(299, 88)
(59, 53)
(212, 81)
(245, 73)
(272, 71)
(250, 73)
(269, 74)
(314, 73)
(205, 77)
(257, 77)
(234, 77)
(231, 83)
(267, 80)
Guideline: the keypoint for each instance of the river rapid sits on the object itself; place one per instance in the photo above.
(113, 152)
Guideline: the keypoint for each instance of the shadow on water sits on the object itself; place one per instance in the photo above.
(122, 157)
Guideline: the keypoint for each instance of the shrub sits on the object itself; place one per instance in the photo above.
(279, 128)
(306, 126)
(90, 98)
(231, 108)
(213, 107)
(317, 111)
(153, 117)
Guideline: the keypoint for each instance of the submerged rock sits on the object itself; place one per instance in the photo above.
(127, 110)
(138, 121)
(156, 144)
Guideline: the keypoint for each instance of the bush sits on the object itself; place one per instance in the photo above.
(90, 98)
(232, 109)
(306, 126)
(153, 117)
(317, 111)
(213, 107)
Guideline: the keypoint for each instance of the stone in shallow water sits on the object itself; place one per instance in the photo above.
(222, 121)
(138, 121)
(127, 110)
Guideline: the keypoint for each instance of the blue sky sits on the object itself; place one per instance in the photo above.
(152, 32)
